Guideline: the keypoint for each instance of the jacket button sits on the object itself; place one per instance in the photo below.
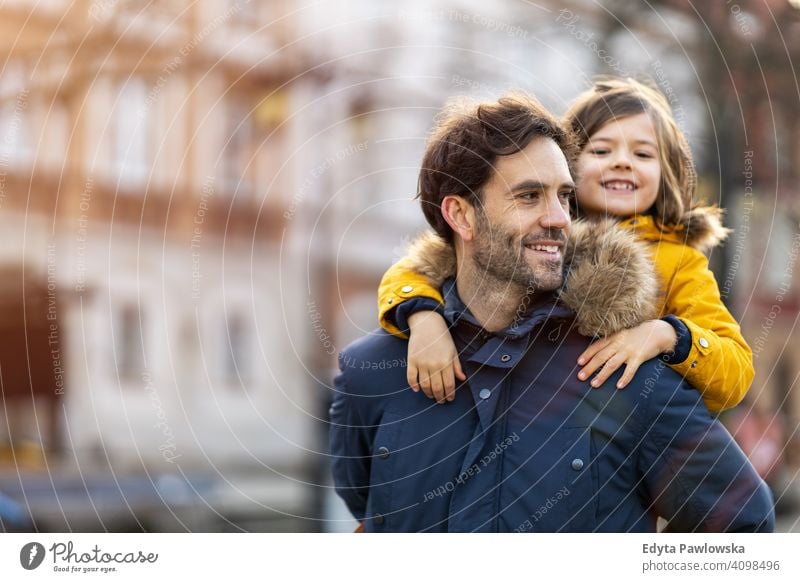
(577, 464)
(390, 301)
(485, 393)
(377, 519)
(505, 358)
(703, 342)
(407, 289)
(694, 364)
(383, 453)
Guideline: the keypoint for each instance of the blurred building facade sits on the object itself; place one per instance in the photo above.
(141, 196)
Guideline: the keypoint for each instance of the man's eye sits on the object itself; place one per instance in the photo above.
(566, 196)
(529, 195)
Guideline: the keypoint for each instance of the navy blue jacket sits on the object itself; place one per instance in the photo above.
(526, 446)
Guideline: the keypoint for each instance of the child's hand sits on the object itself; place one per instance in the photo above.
(631, 347)
(433, 362)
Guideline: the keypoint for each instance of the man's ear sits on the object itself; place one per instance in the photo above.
(460, 216)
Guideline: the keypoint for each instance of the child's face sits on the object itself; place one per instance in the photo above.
(619, 171)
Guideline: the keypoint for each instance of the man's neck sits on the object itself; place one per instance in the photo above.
(494, 304)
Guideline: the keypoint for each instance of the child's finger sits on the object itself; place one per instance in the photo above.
(411, 376)
(437, 384)
(459, 372)
(630, 371)
(593, 349)
(449, 383)
(611, 366)
(425, 383)
(597, 362)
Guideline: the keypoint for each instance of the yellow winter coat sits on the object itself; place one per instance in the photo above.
(720, 363)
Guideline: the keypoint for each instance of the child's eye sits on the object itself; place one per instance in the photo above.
(599, 151)
(645, 155)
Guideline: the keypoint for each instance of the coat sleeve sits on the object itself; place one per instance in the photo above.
(720, 363)
(693, 471)
(350, 445)
(399, 284)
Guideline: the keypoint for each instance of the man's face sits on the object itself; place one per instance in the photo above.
(522, 228)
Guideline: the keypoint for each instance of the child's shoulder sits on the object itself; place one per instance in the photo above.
(701, 230)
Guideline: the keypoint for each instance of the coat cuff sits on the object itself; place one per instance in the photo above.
(684, 344)
(400, 314)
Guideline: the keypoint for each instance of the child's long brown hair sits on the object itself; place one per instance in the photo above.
(614, 99)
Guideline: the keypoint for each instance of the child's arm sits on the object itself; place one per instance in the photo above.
(702, 339)
(400, 284)
(420, 274)
(408, 297)
(433, 365)
(719, 363)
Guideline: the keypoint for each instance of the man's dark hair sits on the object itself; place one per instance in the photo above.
(468, 138)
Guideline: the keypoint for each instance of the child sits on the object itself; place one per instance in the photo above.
(634, 165)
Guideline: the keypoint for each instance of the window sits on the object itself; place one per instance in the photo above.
(134, 120)
(236, 156)
(15, 130)
(129, 348)
(236, 366)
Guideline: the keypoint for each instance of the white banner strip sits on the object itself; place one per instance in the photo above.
(401, 558)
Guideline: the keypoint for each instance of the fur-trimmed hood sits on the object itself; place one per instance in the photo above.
(609, 282)
(701, 228)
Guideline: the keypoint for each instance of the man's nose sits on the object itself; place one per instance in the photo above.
(556, 215)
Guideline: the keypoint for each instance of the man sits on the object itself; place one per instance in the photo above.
(525, 445)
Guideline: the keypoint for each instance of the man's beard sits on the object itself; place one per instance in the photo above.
(500, 254)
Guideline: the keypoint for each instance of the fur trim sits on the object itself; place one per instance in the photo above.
(432, 256)
(610, 280)
(704, 228)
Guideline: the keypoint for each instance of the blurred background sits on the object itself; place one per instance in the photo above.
(198, 199)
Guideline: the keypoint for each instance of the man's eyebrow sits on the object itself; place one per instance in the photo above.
(537, 185)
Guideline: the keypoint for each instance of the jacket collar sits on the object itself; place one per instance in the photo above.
(545, 307)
